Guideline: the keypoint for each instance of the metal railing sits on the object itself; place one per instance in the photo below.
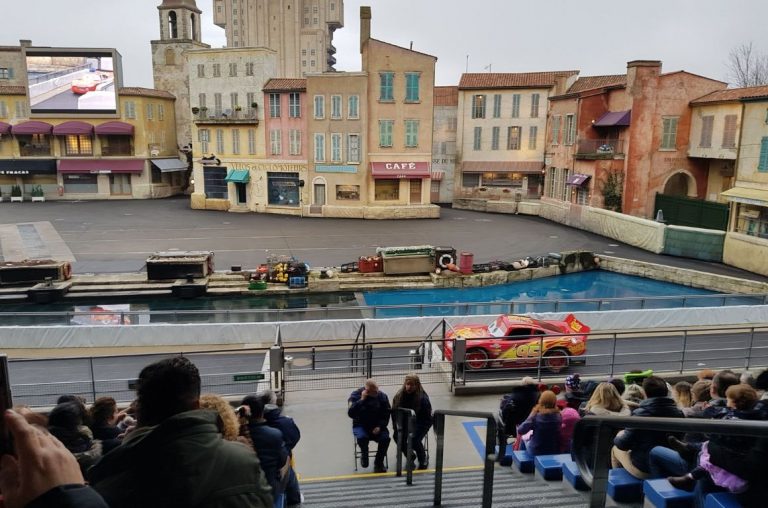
(405, 422)
(489, 455)
(593, 439)
(600, 147)
(139, 317)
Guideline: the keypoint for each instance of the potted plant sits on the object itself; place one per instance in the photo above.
(37, 193)
(254, 105)
(195, 110)
(238, 108)
(16, 194)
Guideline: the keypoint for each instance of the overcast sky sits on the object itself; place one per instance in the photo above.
(593, 36)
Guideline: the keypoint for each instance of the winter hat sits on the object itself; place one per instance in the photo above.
(573, 383)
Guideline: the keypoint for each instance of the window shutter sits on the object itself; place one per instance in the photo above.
(729, 132)
(762, 164)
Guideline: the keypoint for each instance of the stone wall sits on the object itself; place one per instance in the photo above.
(746, 252)
(697, 243)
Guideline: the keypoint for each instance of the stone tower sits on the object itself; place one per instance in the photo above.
(179, 33)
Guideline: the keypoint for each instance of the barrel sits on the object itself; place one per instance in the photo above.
(465, 262)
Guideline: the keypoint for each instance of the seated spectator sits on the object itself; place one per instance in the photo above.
(705, 375)
(682, 394)
(228, 425)
(513, 410)
(633, 395)
(606, 401)
(716, 407)
(631, 446)
(104, 417)
(544, 424)
(747, 378)
(741, 399)
(270, 447)
(761, 384)
(176, 455)
(619, 384)
(573, 391)
(370, 410)
(700, 395)
(412, 396)
(746, 463)
(65, 422)
(291, 436)
(569, 417)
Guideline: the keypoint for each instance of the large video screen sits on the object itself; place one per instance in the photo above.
(72, 81)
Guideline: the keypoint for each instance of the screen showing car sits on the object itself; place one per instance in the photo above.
(72, 81)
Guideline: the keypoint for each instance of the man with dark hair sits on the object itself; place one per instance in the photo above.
(720, 383)
(176, 455)
(369, 409)
(631, 446)
(291, 436)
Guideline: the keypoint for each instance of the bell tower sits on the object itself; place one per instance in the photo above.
(179, 32)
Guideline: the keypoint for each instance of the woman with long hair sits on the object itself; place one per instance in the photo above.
(412, 396)
(606, 401)
(682, 394)
(544, 422)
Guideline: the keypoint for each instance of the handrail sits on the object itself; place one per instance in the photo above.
(405, 422)
(594, 434)
(490, 457)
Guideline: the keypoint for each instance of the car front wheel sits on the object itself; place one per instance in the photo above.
(476, 359)
(556, 360)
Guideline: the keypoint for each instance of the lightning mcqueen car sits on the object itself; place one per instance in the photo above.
(514, 341)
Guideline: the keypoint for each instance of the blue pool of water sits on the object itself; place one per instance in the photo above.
(546, 295)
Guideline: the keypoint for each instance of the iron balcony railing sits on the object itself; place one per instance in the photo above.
(600, 148)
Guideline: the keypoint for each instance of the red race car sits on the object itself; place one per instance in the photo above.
(514, 341)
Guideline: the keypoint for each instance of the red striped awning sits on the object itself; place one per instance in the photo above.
(115, 129)
(101, 166)
(400, 169)
(32, 127)
(438, 175)
(5, 128)
(73, 128)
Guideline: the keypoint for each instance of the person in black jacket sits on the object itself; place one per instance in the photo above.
(104, 417)
(412, 396)
(42, 473)
(369, 409)
(291, 436)
(747, 463)
(632, 447)
(513, 410)
(269, 445)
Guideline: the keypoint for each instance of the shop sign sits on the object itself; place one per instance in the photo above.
(14, 171)
(274, 167)
(398, 169)
(336, 169)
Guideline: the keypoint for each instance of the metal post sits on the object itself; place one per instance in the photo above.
(541, 358)
(603, 443)
(369, 361)
(685, 346)
(314, 355)
(749, 349)
(613, 354)
(93, 379)
(440, 438)
(490, 445)
(399, 428)
(410, 426)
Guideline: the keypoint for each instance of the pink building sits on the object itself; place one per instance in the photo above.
(285, 119)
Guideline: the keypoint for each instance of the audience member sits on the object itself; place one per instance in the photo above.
(606, 401)
(761, 384)
(700, 395)
(633, 395)
(270, 447)
(228, 425)
(632, 446)
(291, 436)
(176, 455)
(513, 410)
(619, 384)
(370, 410)
(682, 394)
(544, 424)
(569, 418)
(65, 421)
(104, 417)
(574, 393)
(705, 375)
(747, 378)
(412, 396)
(716, 408)
(42, 473)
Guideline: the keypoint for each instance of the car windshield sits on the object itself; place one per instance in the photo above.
(494, 330)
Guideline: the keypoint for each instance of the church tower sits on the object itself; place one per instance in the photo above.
(179, 32)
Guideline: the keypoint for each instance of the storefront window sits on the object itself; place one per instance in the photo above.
(348, 192)
(78, 145)
(34, 144)
(752, 220)
(81, 183)
(215, 185)
(470, 180)
(283, 189)
(387, 190)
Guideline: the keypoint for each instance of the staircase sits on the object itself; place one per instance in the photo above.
(460, 489)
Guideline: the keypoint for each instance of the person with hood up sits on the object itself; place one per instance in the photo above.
(514, 408)
(412, 396)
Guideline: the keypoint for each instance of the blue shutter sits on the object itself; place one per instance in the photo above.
(762, 164)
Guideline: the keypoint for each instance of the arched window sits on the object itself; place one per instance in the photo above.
(170, 57)
(173, 29)
(192, 27)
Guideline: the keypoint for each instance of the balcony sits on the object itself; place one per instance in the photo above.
(35, 150)
(591, 149)
(246, 116)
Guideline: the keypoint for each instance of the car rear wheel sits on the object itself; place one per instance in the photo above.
(476, 359)
(556, 360)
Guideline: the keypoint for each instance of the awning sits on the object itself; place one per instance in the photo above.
(438, 175)
(758, 197)
(32, 127)
(400, 169)
(502, 166)
(23, 167)
(170, 165)
(238, 176)
(101, 166)
(73, 128)
(5, 128)
(614, 119)
(577, 179)
(114, 128)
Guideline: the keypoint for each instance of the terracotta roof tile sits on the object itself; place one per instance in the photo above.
(593, 82)
(13, 90)
(734, 94)
(486, 80)
(285, 85)
(136, 91)
(446, 96)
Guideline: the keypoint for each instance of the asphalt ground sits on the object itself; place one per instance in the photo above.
(118, 236)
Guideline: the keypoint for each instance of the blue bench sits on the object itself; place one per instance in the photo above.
(507, 460)
(721, 500)
(550, 467)
(572, 475)
(623, 487)
(523, 461)
(661, 494)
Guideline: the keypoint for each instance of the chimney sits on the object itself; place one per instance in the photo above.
(639, 72)
(25, 43)
(365, 26)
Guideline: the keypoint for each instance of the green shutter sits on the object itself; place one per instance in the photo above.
(762, 164)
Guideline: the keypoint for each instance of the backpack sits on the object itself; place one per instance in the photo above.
(507, 410)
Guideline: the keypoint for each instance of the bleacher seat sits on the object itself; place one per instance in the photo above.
(661, 494)
(550, 467)
(721, 500)
(623, 487)
(507, 461)
(572, 475)
(523, 461)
